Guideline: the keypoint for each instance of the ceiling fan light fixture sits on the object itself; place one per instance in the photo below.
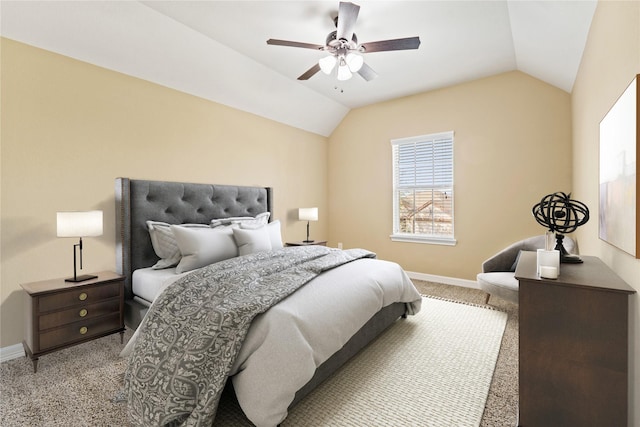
(327, 63)
(345, 53)
(354, 61)
(343, 71)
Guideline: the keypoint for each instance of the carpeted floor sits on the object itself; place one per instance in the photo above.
(74, 386)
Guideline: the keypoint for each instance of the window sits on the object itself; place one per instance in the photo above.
(423, 189)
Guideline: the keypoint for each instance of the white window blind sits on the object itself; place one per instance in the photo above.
(423, 188)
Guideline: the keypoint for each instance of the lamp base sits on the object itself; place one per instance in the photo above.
(80, 278)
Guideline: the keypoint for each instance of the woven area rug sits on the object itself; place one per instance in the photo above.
(432, 369)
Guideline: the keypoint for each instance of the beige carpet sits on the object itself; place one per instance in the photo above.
(73, 387)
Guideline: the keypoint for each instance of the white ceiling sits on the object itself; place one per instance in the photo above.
(217, 49)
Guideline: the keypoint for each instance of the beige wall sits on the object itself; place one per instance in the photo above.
(512, 146)
(70, 128)
(611, 59)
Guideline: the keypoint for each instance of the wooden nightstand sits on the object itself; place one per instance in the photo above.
(60, 314)
(315, 242)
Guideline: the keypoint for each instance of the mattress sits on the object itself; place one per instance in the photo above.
(148, 283)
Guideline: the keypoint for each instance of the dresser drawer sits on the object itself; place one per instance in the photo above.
(76, 314)
(78, 296)
(79, 331)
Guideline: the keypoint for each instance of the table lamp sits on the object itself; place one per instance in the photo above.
(308, 214)
(79, 224)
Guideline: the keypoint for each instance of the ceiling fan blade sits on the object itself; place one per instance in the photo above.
(310, 72)
(395, 44)
(295, 44)
(367, 72)
(347, 16)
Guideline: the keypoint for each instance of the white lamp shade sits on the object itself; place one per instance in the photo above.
(79, 224)
(354, 61)
(344, 73)
(308, 214)
(327, 63)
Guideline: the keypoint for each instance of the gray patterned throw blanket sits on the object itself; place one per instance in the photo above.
(192, 334)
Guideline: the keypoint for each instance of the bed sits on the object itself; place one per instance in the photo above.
(140, 201)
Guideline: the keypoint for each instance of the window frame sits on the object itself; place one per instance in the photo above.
(420, 237)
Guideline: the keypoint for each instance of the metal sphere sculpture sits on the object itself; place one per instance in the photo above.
(561, 215)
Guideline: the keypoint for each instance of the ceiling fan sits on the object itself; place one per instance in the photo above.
(344, 50)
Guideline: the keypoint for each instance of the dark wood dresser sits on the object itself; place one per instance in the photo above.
(574, 342)
(60, 314)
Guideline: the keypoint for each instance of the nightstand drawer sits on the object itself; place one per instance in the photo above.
(76, 314)
(79, 331)
(78, 296)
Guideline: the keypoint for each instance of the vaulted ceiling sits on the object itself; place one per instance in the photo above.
(217, 49)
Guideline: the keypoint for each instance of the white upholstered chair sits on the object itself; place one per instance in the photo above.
(498, 272)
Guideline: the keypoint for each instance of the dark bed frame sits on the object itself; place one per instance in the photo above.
(138, 201)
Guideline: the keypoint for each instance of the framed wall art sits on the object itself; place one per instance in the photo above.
(619, 213)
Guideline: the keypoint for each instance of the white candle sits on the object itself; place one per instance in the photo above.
(548, 272)
(548, 258)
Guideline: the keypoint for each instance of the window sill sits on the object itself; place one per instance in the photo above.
(432, 240)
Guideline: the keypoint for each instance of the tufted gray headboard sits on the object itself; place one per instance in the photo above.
(138, 201)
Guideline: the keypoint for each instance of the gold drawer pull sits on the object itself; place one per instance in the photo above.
(83, 330)
(83, 312)
(82, 296)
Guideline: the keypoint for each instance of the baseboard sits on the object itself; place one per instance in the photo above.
(443, 279)
(11, 352)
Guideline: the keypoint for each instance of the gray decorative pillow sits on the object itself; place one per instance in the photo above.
(201, 247)
(164, 243)
(257, 221)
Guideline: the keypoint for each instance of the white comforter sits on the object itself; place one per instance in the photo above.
(287, 343)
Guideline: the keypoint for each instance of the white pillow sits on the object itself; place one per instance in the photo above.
(251, 240)
(164, 243)
(273, 228)
(201, 247)
(257, 221)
